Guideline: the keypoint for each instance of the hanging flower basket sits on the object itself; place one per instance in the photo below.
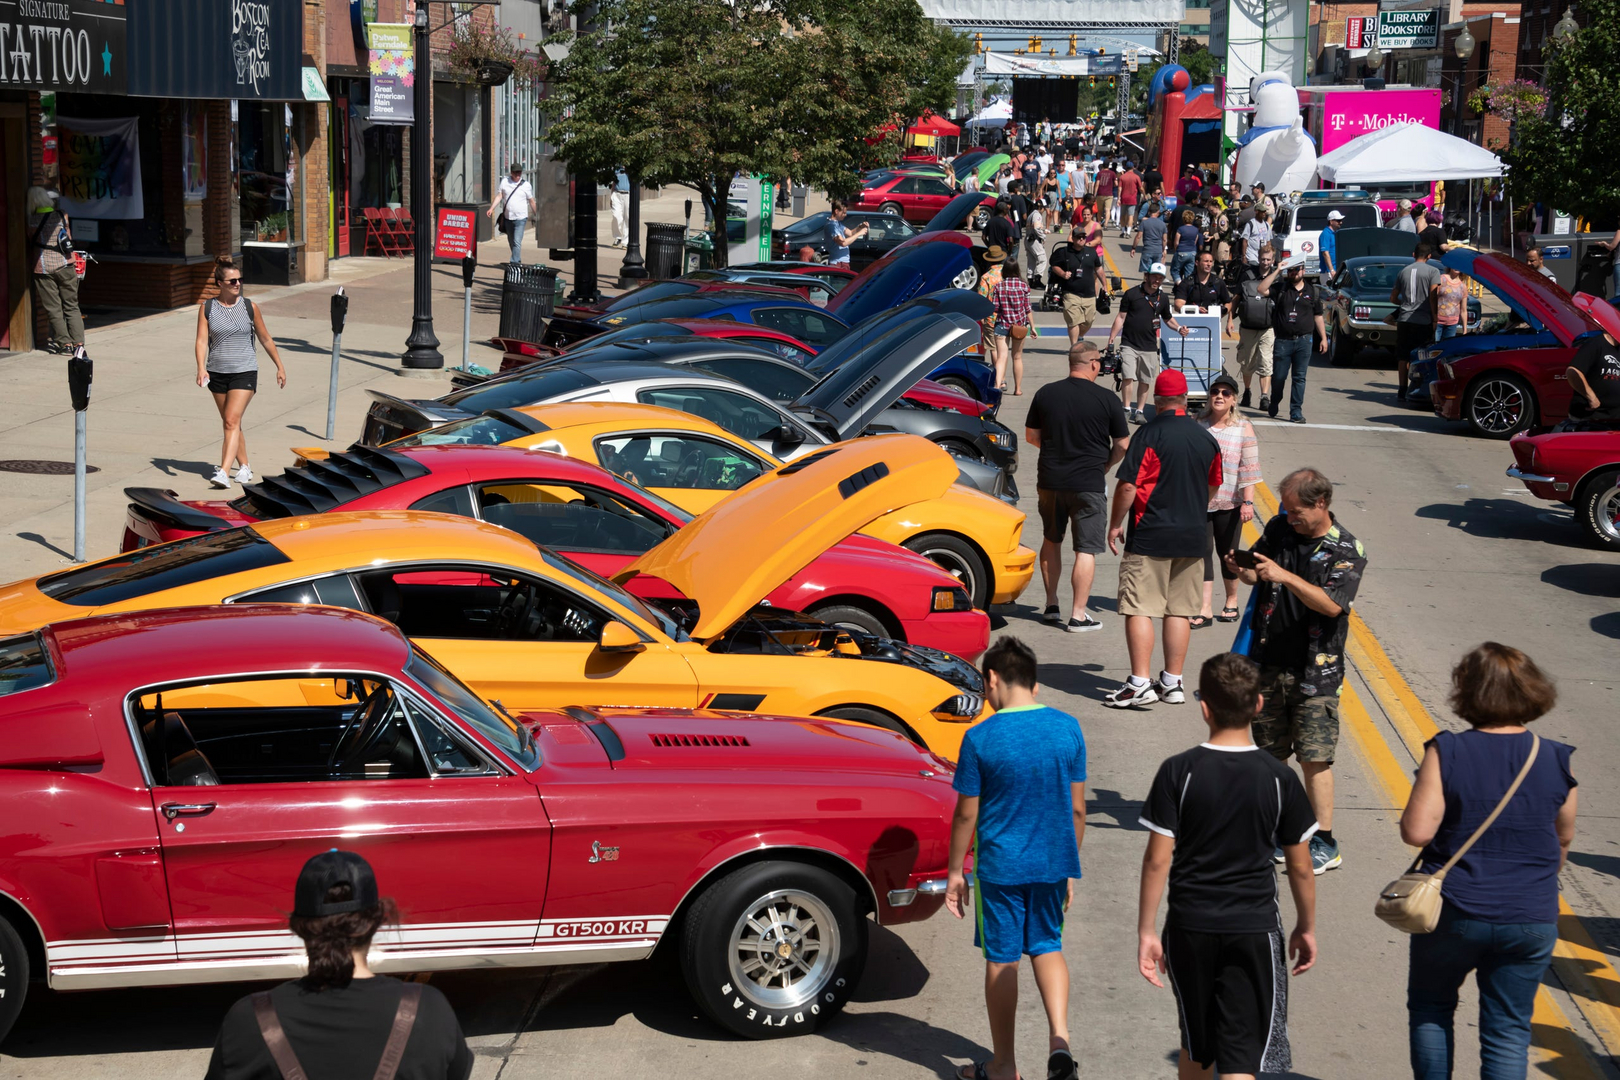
(488, 56)
(494, 72)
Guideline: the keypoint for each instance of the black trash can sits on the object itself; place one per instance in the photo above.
(665, 246)
(528, 297)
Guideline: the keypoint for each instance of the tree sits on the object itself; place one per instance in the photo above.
(1565, 158)
(695, 92)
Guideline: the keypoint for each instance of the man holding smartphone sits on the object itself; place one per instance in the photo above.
(1308, 568)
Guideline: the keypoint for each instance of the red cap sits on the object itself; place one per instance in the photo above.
(1170, 383)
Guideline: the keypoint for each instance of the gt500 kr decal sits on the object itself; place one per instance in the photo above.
(602, 929)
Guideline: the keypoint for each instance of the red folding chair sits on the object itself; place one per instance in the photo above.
(404, 230)
(378, 231)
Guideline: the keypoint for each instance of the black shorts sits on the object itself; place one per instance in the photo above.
(1232, 998)
(222, 383)
(1225, 526)
(1085, 511)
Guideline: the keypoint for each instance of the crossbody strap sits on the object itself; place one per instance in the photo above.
(1535, 747)
(404, 1019)
(275, 1038)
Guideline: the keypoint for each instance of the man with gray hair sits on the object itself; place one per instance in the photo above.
(1308, 568)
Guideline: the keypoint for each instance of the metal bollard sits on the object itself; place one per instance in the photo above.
(80, 370)
(340, 312)
(469, 266)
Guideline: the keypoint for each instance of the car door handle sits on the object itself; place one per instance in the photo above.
(172, 810)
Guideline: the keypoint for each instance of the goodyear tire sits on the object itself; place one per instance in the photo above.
(1597, 508)
(774, 949)
(13, 976)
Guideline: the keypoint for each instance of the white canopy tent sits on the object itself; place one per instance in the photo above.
(995, 114)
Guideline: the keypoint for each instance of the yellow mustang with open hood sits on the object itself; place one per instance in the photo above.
(528, 628)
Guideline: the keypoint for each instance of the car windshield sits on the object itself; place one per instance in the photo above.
(23, 664)
(162, 566)
(638, 332)
(657, 291)
(1378, 277)
(473, 710)
(614, 592)
(1356, 216)
(815, 224)
(521, 391)
(477, 431)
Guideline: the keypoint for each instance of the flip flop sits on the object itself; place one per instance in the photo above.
(976, 1070)
(1199, 622)
(1227, 615)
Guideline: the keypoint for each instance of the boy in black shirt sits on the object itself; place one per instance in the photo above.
(1215, 813)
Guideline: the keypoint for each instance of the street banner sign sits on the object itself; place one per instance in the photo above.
(1360, 31)
(456, 233)
(1409, 29)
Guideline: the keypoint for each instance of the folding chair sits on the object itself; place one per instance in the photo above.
(378, 232)
(404, 230)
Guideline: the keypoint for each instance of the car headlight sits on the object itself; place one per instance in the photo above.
(1004, 439)
(949, 599)
(1446, 372)
(1427, 354)
(959, 708)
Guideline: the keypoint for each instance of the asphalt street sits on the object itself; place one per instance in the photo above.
(1457, 554)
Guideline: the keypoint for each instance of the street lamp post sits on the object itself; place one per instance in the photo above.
(634, 268)
(422, 347)
(1565, 26)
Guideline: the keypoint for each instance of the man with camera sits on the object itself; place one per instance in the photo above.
(1078, 271)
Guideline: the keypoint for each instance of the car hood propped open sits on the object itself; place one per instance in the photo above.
(731, 557)
(851, 395)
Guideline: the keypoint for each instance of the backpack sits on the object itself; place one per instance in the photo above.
(253, 324)
(62, 245)
(1254, 310)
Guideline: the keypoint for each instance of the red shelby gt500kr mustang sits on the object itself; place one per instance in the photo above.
(165, 775)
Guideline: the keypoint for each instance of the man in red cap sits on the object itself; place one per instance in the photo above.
(1170, 472)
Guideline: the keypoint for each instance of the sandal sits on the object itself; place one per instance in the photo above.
(1200, 622)
(975, 1070)
(1229, 614)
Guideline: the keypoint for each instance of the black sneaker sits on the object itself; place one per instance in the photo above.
(1244, 404)
(1080, 626)
(1265, 404)
(1052, 614)
(1270, 407)
(1060, 1066)
(1300, 419)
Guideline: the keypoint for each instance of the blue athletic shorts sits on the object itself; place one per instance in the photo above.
(1014, 920)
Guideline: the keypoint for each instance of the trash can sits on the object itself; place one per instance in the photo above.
(1558, 255)
(528, 297)
(699, 252)
(664, 250)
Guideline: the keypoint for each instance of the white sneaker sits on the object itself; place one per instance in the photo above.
(1129, 696)
(1170, 695)
(244, 475)
(221, 478)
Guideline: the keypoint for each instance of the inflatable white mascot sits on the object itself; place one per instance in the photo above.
(1275, 151)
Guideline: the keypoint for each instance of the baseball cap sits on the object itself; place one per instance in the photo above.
(1170, 383)
(1334, 215)
(1158, 268)
(331, 868)
(1224, 379)
(1406, 204)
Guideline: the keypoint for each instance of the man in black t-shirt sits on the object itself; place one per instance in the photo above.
(1017, 215)
(1203, 287)
(1078, 270)
(1594, 383)
(998, 231)
(1296, 317)
(1141, 311)
(1081, 433)
(1215, 814)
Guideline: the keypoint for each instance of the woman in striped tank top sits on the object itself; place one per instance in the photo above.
(227, 365)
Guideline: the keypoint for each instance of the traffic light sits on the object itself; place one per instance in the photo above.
(1111, 82)
(978, 43)
(1033, 43)
(1093, 81)
(1038, 43)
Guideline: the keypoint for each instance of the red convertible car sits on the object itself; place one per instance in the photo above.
(586, 513)
(162, 792)
(1580, 468)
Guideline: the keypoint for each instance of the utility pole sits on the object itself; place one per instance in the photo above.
(422, 347)
(585, 287)
(635, 267)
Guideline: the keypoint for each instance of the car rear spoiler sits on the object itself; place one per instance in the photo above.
(166, 508)
(320, 485)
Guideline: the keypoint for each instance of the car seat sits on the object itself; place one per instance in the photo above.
(185, 764)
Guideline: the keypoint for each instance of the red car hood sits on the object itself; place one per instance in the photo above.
(1543, 299)
(930, 392)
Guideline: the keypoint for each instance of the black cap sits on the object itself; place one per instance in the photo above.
(1224, 379)
(331, 868)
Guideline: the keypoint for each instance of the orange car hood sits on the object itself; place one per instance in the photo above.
(749, 543)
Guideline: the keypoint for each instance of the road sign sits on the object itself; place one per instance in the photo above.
(456, 233)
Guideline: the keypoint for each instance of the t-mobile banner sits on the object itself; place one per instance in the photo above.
(1350, 114)
(101, 168)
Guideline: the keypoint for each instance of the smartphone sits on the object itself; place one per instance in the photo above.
(1245, 559)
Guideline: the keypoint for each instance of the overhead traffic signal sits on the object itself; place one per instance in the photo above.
(1074, 44)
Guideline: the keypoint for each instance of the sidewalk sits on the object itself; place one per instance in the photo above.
(150, 425)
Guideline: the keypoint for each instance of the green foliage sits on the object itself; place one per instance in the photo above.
(1566, 158)
(1200, 63)
(696, 91)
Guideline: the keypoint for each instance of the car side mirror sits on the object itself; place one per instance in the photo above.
(785, 435)
(619, 638)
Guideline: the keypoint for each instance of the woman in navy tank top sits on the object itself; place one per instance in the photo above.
(1500, 916)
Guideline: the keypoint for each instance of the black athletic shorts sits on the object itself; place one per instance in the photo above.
(1085, 511)
(1232, 996)
(221, 383)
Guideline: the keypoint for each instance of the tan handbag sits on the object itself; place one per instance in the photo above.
(1412, 902)
(1018, 333)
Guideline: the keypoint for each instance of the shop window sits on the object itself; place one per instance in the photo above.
(265, 164)
(458, 144)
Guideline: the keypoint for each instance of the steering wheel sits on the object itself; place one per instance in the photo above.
(364, 732)
(516, 609)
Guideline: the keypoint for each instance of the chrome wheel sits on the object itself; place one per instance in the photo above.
(1499, 406)
(783, 949)
(1606, 515)
(891, 208)
(967, 279)
(1597, 509)
(952, 562)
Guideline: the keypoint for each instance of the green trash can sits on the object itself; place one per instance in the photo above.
(699, 252)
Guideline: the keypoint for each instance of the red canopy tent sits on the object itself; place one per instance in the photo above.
(931, 124)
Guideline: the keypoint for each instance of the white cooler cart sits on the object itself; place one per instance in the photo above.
(1198, 355)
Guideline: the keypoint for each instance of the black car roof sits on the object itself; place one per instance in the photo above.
(659, 351)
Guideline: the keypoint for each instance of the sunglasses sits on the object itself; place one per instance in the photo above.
(232, 281)
(1221, 391)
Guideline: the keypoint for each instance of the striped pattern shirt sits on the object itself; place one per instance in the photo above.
(230, 338)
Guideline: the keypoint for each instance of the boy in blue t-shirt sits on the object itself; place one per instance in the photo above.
(1021, 803)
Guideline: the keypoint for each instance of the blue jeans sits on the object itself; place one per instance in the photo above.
(1443, 332)
(1181, 265)
(1286, 354)
(1508, 961)
(514, 236)
(1148, 261)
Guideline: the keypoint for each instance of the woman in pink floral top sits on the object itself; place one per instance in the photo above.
(1233, 503)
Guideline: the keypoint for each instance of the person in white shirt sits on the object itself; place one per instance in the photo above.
(515, 200)
(619, 201)
(1256, 234)
(1404, 221)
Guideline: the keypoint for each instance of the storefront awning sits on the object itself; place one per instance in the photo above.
(315, 86)
(248, 49)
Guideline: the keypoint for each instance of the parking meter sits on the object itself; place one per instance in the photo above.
(340, 312)
(80, 370)
(469, 266)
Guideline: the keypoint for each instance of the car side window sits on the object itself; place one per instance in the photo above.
(570, 517)
(337, 590)
(791, 353)
(467, 603)
(908, 186)
(737, 413)
(775, 381)
(454, 500)
(810, 327)
(927, 185)
(678, 461)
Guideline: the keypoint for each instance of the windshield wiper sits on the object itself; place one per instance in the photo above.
(525, 736)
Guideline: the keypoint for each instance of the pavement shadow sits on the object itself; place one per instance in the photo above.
(1588, 579)
(1082, 680)
(137, 1020)
(1122, 813)
(1607, 625)
(176, 467)
(906, 1039)
(44, 543)
(1501, 519)
(1602, 864)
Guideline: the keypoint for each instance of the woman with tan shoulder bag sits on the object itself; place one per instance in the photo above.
(1493, 809)
(1012, 314)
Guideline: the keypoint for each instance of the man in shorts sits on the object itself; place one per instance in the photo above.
(1309, 568)
(1021, 805)
(1214, 814)
(1171, 470)
(1251, 312)
(1078, 270)
(1081, 433)
(1141, 311)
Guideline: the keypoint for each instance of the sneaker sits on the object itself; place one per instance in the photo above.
(1247, 395)
(1052, 615)
(244, 475)
(1265, 404)
(1136, 416)
(1080, 626)
(1170, 695)
(1270, 407)
(1324, 857)
(1300, 419)
(221, 478)
(1279, 858)
(1129, 696)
